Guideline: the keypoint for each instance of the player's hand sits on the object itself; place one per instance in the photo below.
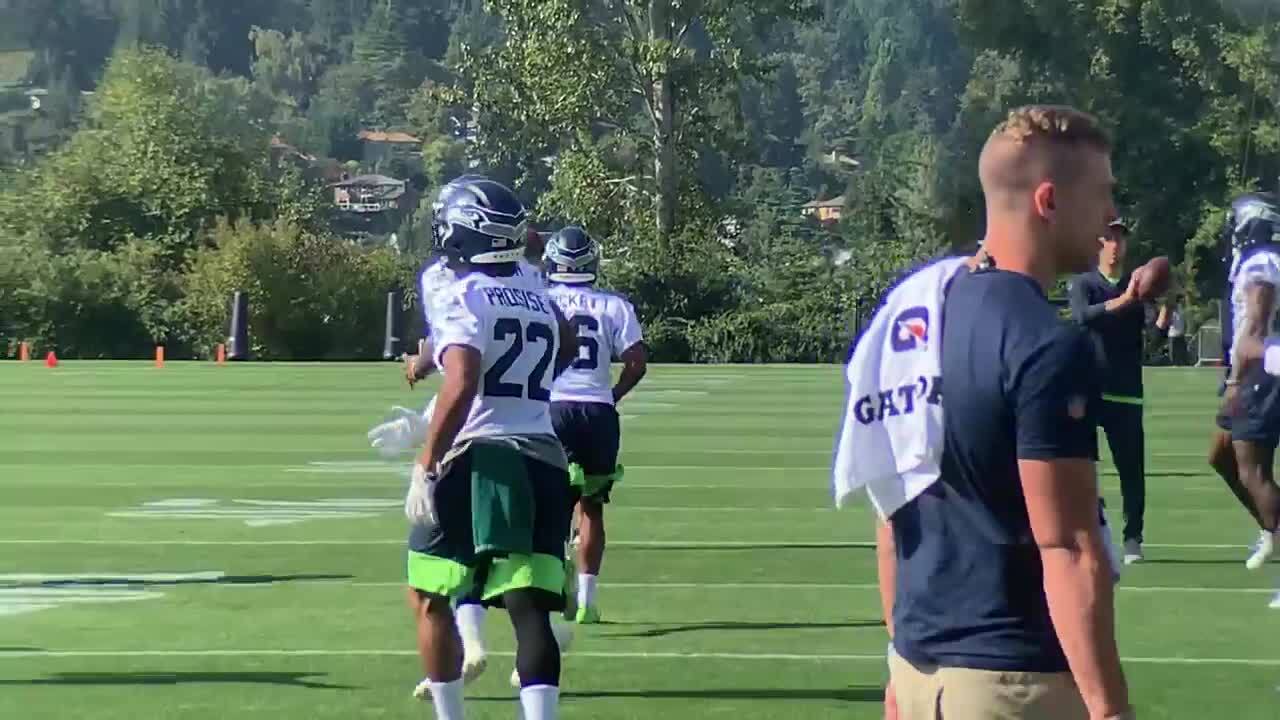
(1230, 401)
(419, 502)
(1130, 294)
(411, 369)
(890, 703)
(404, 431)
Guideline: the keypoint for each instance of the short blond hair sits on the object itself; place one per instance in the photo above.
(1056, 124)
(1034, 143)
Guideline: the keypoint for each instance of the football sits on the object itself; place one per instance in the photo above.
(1153, 278)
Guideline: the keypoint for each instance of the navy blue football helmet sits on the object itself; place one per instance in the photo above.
(478, 221)
(1252, 220)
(571, 257)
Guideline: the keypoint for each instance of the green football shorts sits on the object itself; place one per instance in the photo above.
(503, 522)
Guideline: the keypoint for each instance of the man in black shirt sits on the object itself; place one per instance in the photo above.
(1104, 301)
(996, 582)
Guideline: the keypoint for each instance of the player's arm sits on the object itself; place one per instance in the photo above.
(462, 366)
(1085, 313)
(1164, 317)
(625, 328)
(1056, 443)
(886, 571)
(1249, 348)
(459, 340)
(635, 364)
(419, 367)
(568, 351)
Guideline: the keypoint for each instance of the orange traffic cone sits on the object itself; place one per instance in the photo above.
(159, 356)
(221, 354)
(24, 352)
(51, 360)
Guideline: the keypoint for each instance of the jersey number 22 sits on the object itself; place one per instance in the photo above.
(495, 386)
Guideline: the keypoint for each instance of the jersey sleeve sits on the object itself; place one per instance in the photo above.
(626, 326)
(1055, 395)
(424, 296)
(461, 321)
(1263, 267)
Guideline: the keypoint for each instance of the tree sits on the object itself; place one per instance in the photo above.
(1177, 82)
(313, 296)
(287, 66)
(569, 65)
(166, 148)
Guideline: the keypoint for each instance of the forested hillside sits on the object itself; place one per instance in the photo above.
(757, 169)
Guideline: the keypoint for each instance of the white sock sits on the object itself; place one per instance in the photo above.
(586, 590)
(540, 702)
(447, 698)
(471, 628)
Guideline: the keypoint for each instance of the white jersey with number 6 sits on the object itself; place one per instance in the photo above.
(510, 321)
(607, 326)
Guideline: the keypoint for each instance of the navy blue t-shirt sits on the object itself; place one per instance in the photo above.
(1018, 383)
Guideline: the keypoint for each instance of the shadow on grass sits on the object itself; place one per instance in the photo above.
(722, 626)
(90, 581)
(856, 694)
(290, 679)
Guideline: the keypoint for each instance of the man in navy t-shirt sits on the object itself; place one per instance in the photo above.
(1002, 604)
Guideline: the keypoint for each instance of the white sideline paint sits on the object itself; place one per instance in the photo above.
(818, 542)
(17, 601)
(21, 599)
(207, 576)
(816, 657)
(259, 513)
(789, 587)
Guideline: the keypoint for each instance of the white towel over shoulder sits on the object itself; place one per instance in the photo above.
(891, 439)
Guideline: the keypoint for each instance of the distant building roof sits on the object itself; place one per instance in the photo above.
(388, 137)
(278, 145)
(835, 202)
(366, 180)
(14, 66)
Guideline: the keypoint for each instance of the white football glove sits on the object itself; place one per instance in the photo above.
(419, 502)
(406, 431)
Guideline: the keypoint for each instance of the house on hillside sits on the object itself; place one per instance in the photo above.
(369, 193)
(381, 148)
(825, 211)
(371, 207)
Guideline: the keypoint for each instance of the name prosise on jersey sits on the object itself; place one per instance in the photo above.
(607, 326)
(436, 279)
(510, 321)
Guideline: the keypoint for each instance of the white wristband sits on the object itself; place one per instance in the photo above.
(890, 654)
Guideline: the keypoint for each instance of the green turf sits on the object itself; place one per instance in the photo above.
(736, 591)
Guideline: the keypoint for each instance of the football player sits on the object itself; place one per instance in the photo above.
(489, 494)
(1243, 450)
(584, 397)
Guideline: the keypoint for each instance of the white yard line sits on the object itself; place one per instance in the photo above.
(795, 657)
(825, 543)
(768, 586)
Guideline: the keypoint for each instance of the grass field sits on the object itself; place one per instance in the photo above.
(265, 544)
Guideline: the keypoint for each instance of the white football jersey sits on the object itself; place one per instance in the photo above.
(511, 322)
(1261, 266)
(607, 326)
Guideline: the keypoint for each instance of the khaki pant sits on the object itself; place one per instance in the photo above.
(926, 692)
